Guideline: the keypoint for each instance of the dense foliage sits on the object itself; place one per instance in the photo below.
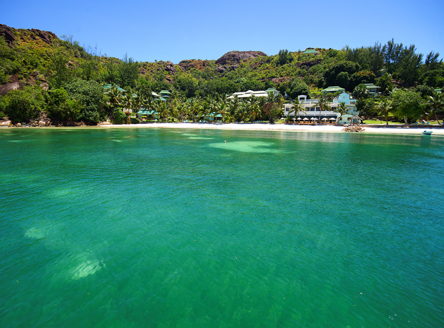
(66, 80)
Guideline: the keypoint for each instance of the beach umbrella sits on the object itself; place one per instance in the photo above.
(333, 118)
(299, 118)
(305, 119)
(314, 119)
(324, 119)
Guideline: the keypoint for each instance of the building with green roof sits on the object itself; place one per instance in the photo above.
(165, 93)
(310, 51)
(333, 89)
(109, 86)
(372, 89)
(272, 90)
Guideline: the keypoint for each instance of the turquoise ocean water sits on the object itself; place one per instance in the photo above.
(176, 228)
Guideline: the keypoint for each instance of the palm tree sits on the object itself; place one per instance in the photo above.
(161, 109)
(242, 112)
(297, 108)
(194, 108)
(342, 109)
(254, 108)
(128, 105)
(147, 102)
(181, 109)
(204, 110)
(114, 98)
(273, 106)
(233, 105)
(222, 109)
(436, 103)
(384, 106)
(213, 107)
(137, 102)
(174, 108)
(323, 104)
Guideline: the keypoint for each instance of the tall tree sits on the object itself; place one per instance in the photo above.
(384, 106)
(436, 103)
(90, 95)
(408, 105)
(385, 84)
(61, 74)
(114, 98)
(284, 57)
(128, 71)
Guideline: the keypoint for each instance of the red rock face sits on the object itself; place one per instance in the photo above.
(309, 63)
(44, 35)
(235, 57)
(170, 67)
(7, 33)
(9, 36)
(199, 64)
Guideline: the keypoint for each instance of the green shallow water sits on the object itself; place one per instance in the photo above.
(175, 228)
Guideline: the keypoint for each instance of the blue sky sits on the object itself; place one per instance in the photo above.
(178, 30)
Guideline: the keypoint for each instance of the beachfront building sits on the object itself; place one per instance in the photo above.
(312, 111)
(331, 90)
(372, 89)
(249, 93)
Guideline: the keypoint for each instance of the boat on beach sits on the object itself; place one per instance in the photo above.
(427, 133)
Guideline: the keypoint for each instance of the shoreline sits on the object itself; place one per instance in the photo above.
(277, 127)
(401, 129)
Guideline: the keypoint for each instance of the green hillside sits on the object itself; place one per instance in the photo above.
(69, 78)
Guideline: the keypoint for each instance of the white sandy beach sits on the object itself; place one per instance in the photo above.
(279, 127)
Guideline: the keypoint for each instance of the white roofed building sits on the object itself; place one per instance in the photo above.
(249, 93)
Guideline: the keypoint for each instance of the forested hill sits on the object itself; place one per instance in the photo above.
(35, 57)
(41, 72)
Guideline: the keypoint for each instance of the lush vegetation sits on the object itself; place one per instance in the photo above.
(67, 82)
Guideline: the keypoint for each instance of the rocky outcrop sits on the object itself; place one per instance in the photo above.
(44, 86)
(42, 120)
(235, 57)
(5, 122)
(280, 79)
(353, 128)
(5, 88)
(71, 65)
(309, 63)
(9, 36)
(255, 65)
(199, 64)
(223, 69)
(43, 35)
(7, 33)
(170, 68)
(184, 64)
